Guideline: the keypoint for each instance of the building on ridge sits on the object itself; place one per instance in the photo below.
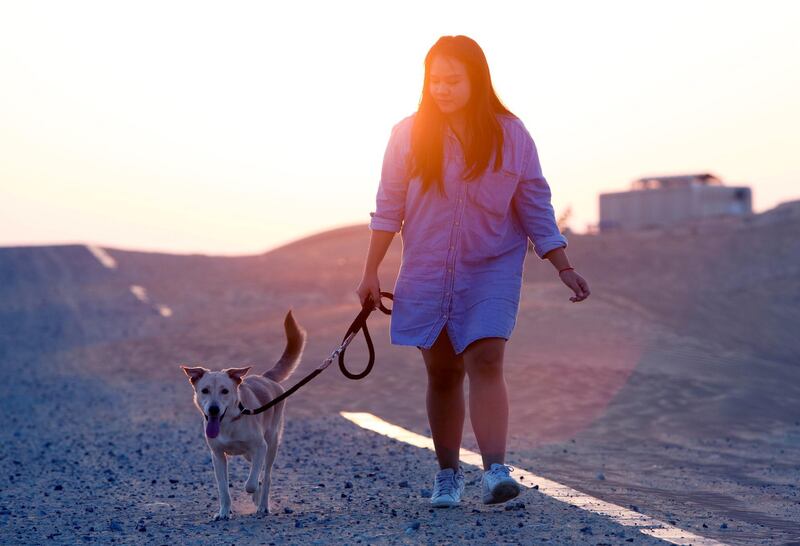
(665, 201)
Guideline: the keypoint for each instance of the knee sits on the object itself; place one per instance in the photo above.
(484, 360)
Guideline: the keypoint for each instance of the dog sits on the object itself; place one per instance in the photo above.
(228, 432)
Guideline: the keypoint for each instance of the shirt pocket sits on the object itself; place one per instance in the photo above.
(494, 191)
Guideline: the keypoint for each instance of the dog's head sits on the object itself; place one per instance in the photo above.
(215, 393)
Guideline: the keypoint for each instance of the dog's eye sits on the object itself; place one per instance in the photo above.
(224, 391)
(205, 391)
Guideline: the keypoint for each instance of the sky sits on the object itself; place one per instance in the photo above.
(234, 128)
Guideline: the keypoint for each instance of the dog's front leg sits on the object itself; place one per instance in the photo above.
(257, 458)
(220, 461)
(272, 451)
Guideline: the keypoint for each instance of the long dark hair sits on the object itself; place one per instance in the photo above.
(483, 131)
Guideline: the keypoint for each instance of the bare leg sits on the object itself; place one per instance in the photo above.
(445, 399)
(488, 399)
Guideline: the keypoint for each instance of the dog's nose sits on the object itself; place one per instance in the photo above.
(213, 411)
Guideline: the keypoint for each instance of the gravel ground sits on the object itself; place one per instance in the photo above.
(89, 462)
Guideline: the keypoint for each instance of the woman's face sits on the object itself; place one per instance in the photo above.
(449, 84)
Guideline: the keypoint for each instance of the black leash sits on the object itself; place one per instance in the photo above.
(360, 323)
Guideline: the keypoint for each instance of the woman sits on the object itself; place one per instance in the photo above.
(464, 244)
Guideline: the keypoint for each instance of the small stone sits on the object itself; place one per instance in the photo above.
(288, 510)
(723, 526)
(404, 483)
(59, 487)
(601, 476)
(348, 485)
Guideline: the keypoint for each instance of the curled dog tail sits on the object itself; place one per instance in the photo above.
(295, 343)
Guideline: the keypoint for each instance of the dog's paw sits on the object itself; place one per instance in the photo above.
(263, 510)
(222, 516)
(251, 487)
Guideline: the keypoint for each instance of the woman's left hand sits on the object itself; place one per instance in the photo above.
(577, 283)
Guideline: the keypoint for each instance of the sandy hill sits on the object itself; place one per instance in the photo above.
(62, 296)
(732, 286)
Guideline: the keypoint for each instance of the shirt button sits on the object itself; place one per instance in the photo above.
(451, 247)
(450, 269)
(456, 222)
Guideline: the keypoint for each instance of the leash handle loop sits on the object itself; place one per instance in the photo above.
(360, 323)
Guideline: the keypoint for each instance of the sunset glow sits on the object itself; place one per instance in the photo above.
(231, 129)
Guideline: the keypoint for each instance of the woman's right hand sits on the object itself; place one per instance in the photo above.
(370, 286)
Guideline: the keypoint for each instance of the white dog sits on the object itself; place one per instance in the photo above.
(228, 432)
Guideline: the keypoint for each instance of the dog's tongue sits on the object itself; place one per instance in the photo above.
(212, 427)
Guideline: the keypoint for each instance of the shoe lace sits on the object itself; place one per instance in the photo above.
(502, 469)
(445, 482)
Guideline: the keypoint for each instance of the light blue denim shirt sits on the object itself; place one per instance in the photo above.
(463, 253)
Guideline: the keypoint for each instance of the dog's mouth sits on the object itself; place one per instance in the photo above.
(213, 422)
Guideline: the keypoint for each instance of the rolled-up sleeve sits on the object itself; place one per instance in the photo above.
(390, 200)
(532, 203)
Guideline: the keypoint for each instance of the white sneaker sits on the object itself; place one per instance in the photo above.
(448, 486)
(498, 485)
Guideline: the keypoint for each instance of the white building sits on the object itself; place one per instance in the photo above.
(664, 201)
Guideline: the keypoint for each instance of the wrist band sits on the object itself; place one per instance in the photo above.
(565, 269)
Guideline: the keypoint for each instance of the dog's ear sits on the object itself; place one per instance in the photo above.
(237, 373)
(194, 374)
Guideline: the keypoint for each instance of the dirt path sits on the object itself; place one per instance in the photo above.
(93, 462)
